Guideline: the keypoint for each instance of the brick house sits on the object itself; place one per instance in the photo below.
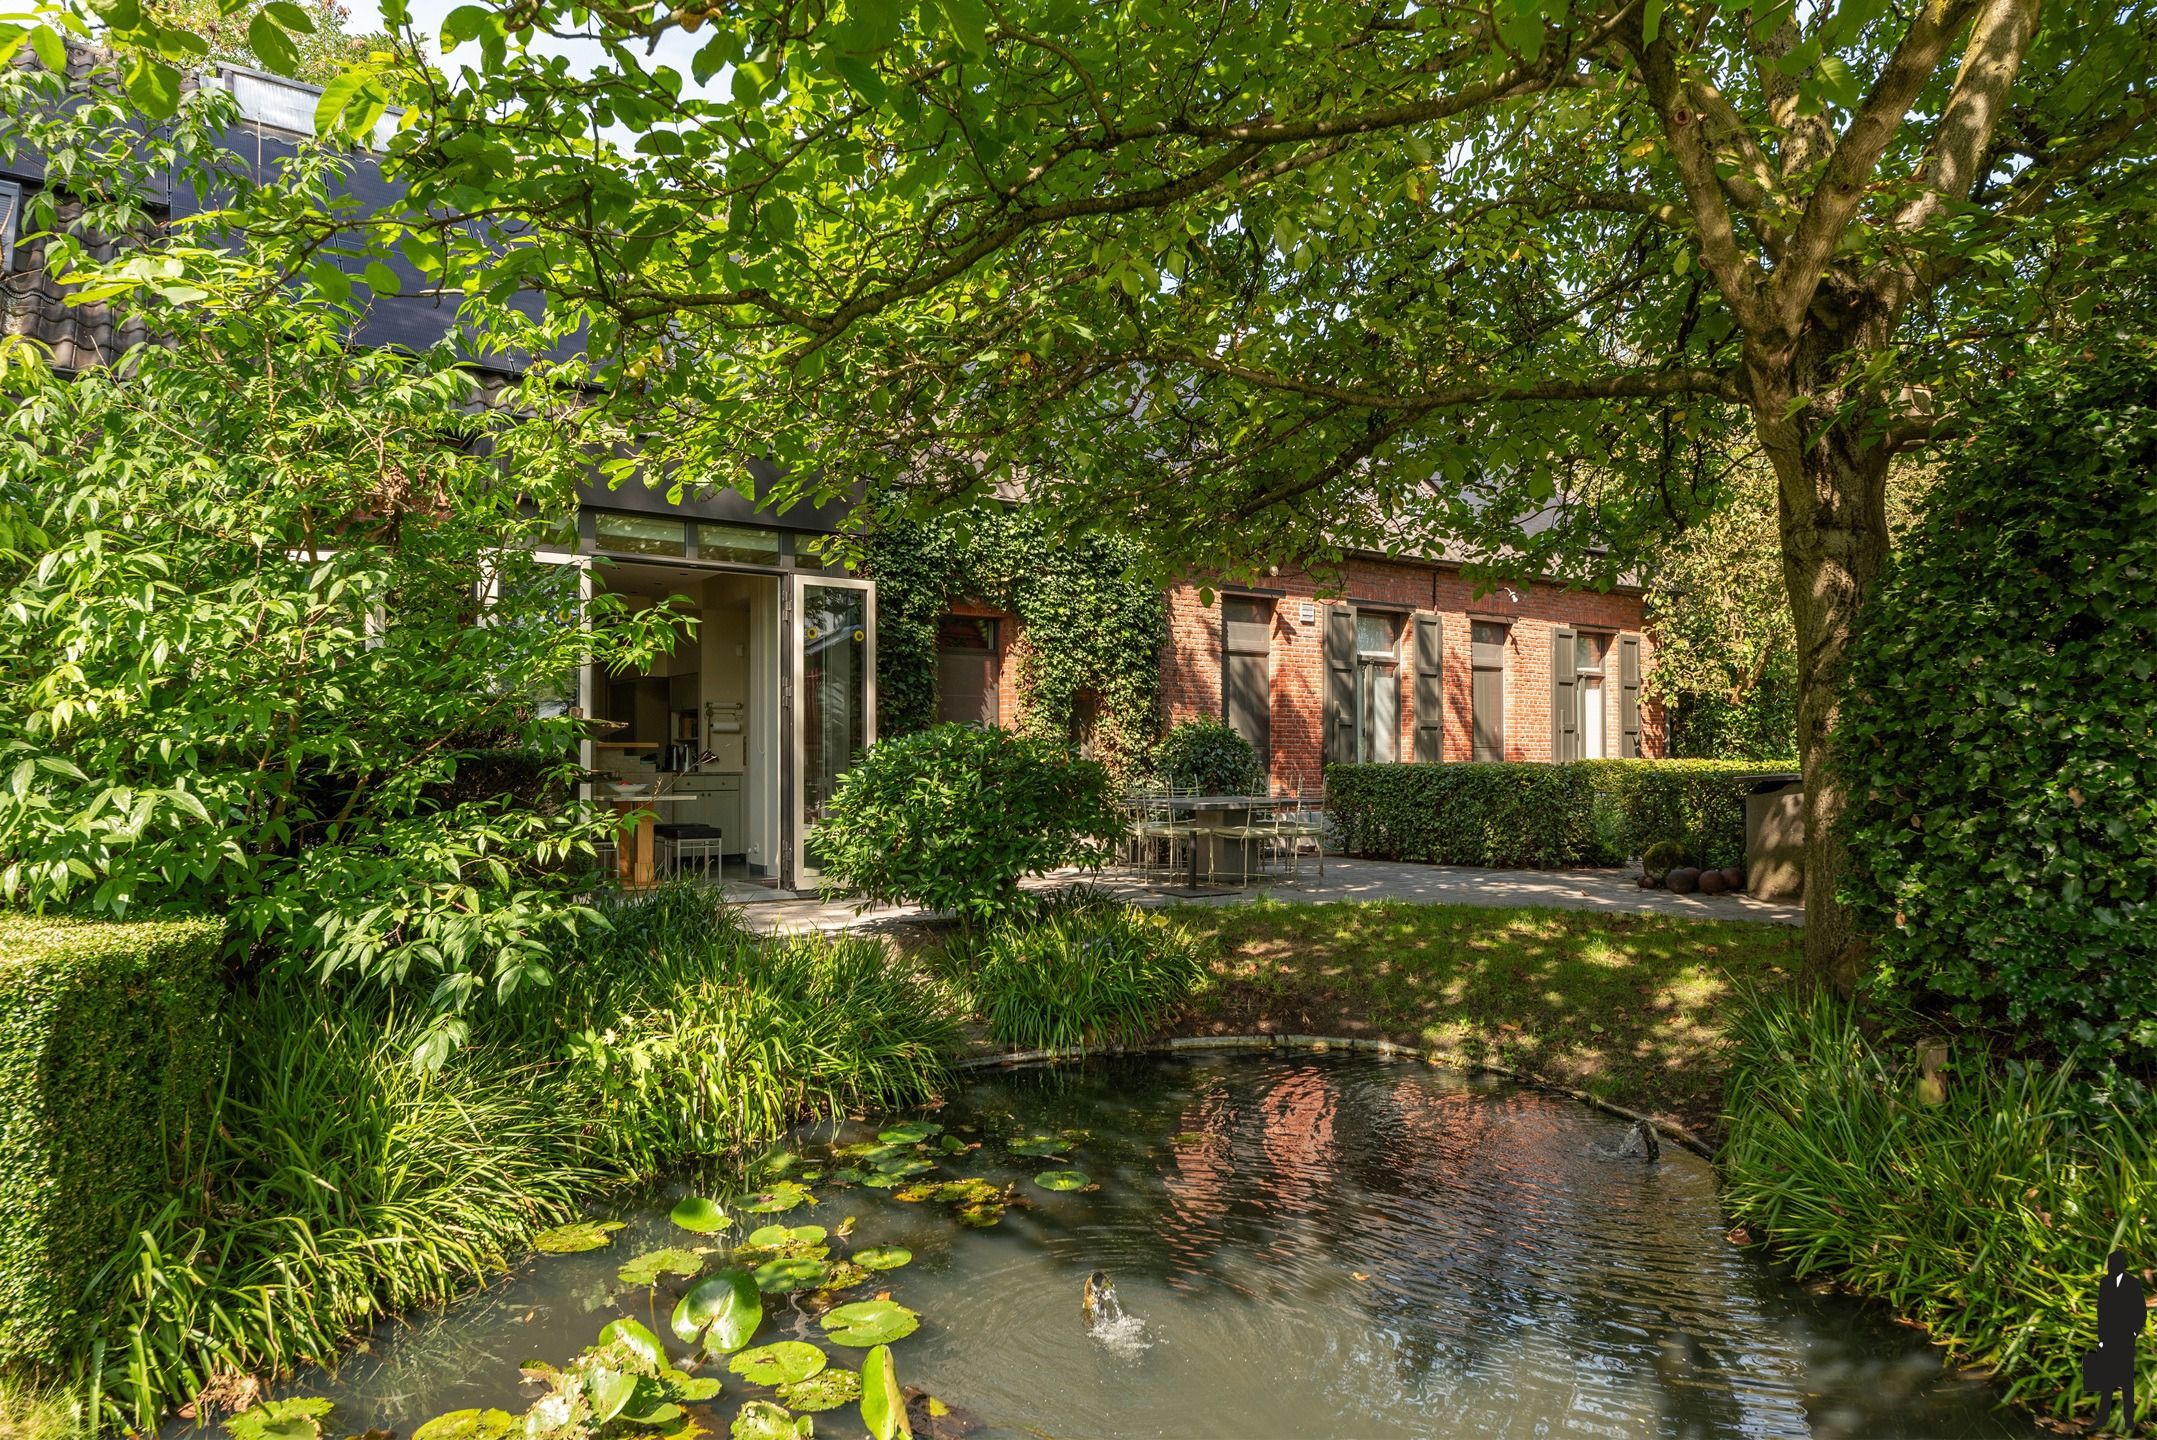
(1407, 663)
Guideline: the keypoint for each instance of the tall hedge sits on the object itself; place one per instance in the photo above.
(108, 1068)
(1999, 734)
(1535, 815)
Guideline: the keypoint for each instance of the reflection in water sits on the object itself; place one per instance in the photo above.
(1322, 1246)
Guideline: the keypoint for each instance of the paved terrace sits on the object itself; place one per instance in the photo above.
(1585, 889)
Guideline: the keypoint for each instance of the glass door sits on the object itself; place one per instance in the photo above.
(831, 692)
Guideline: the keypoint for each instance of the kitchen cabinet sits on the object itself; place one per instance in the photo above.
(715, 799)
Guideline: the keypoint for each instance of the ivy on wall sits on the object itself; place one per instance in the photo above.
(1092, 627)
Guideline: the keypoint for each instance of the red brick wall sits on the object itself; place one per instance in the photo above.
(1010, 647)
(1191, 668)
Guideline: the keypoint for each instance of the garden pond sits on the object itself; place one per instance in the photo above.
(1206, 1245)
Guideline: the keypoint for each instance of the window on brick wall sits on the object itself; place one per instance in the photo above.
(966, 670)
(1486, 698)
(1378, 686)
(1246, 670)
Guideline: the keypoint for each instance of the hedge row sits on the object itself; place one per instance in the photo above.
(108, 1068)
(1539, 816)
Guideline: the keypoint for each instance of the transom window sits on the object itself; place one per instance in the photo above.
(640, 534)
(738, 543)
(1377, 633)
(1589, 652)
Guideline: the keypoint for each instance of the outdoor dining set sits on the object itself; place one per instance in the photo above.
(1186, 835)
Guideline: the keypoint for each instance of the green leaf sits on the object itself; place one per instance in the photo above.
(280, 1420)
(827, 1389)
(869, 1322)
(883, 1404)
(291, 16)
(721, 1312)
(698, 1215)
(646, 1269)
(272, 46)
(608, 1391)
(762, 1420)
(883, 1257)
(1062, 1180)
(466, 1425)
(155, 86)
(51, 49)
(1651, 20)
(576, 1237)
(782, 1363)
(635, 1336)
(337, 97)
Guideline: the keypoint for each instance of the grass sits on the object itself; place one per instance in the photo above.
(1985, 1218)
(1081, 975)
(1633, 1009)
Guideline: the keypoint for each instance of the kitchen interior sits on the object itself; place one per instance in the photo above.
(692, 736)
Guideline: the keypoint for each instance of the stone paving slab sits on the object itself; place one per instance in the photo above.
(1609, 890)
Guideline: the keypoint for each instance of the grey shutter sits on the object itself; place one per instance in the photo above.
(1564, 697)
(1340, 716)
(1629, 696)
(1430, 690)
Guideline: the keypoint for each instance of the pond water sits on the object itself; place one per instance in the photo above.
(1314, 1245)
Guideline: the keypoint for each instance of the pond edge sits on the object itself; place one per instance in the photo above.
(1019, 1059)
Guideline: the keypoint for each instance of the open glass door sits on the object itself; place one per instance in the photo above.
(832, 654)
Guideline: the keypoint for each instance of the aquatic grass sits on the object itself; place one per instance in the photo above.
(1084, 974)
(1985, 1218)
(37, 1410)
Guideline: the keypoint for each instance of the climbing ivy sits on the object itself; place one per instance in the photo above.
(1092, 626)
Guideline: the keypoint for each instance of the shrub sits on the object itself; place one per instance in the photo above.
(953, 817)
(1986, 1218)
(1700, 804)
(1500, 815)
(1085, 975)
(1996, 734)
(109, 1049)
(1210, 756)
(1664, 855)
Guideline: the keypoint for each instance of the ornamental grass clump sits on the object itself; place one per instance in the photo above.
(1084, 975)
(1984, 1214)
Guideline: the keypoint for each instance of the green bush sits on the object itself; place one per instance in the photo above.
(1996, 733)
(1084, 974)
(1700, 804)
(1209, 756)
(109, 1049)
(1985, 1218)
(953, 817)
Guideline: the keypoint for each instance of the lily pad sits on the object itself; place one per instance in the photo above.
(637, 1338)
(953, 1145)
(847, 1175)
(1039, 1145)
(608, 1391)
(777, 1235)
(698, 1215)
(466, 1425)
(648, 1267)
(981, 1216)
(577, 1237)
(883, 1404)
(909, 1132)
(911, 1165)
(915, 1193)
(722, 1311)
(762, 1420)
(694, 1389)
(869, 1322)
(790, 1273)
(827, 1389)
(782, 1363)
(777, 1163)
(843, 1275)
(665, 1412)
(1062, 1180)
(784, 1196)
(286, 1420)
(884, 1257)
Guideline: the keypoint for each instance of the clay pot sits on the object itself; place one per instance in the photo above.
(1683, 881)
(1712, 882)
(1734, 878)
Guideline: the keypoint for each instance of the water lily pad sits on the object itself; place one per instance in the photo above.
(971, 1191)
(953, 1145)
(694, 1389)
(576, 1237)
(664, 1412)
(1062, 1180)
(762, 1420)
(1039, 1145)
(782, 1363)
(981, 1216)
(847, 1175)
(722, 1311)
(883, 1180)
(912, 1165)
(289, 1420)
(883, 1404)
(827, 1389)
(784, 1196)
(638, 1339)
(778, 1235)
(466, 1425)
(608, 1391)
(698, 1215)
(843, 1275)
(790, 1273)
(777, 1163)
(648, 1267)
(909, 1132)
(877, 1155)
(884, 1257)
(915, 1193)
(869, 1322)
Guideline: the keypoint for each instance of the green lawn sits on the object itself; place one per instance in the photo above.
(1630, 1008)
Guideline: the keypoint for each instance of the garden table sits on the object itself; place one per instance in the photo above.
(1209, 812)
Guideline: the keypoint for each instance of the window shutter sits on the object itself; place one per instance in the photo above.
(1564, 697)
(1340, 716)
(1629, 696)
(1430, 690)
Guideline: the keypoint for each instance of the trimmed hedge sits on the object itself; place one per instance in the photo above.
(108, 1067)
(1529, 814)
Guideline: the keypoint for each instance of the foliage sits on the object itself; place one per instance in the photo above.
(1209, 755)
(309, 42)
(1662, 856)
(953, 817)
(1089, 655)
(1099, 974)
(1725, 646)
(251, 658)
(110, 1041)
(1986, 1218)
(1494, 814)
(1698, 803)
(1997, 740)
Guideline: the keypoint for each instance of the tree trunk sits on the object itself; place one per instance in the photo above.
(1832, 505)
